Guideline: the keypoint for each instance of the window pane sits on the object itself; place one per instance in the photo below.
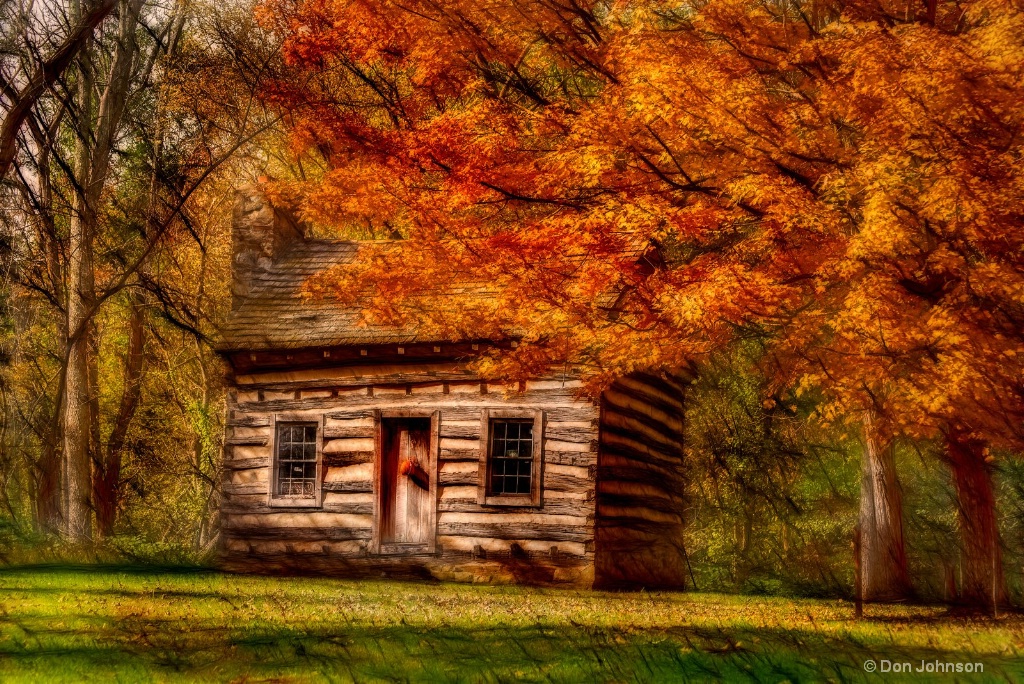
(511, 457)
(296, 460)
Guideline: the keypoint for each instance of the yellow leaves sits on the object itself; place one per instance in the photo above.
(851, 194)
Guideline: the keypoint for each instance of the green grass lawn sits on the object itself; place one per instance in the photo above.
(123, 624)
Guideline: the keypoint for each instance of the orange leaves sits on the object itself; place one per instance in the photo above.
(639, 184)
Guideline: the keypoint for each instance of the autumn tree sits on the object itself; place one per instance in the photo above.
(112, 166)
(643, 181)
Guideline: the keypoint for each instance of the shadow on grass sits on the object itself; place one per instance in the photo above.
(108, 569)
(54, 627)
(210, 649)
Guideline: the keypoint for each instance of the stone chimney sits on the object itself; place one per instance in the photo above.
(260, 232)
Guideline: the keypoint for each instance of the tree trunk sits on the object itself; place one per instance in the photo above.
(48, 497)
(983, 585)
(80, 297)
(93, 151)
(107, 476)
(48, 467)
(883, 558)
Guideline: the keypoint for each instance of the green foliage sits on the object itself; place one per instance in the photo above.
(131, 624)
(773, 497)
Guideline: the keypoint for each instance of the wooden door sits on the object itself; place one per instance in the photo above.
(406, 508)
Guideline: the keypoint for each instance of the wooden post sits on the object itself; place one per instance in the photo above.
(858, 576)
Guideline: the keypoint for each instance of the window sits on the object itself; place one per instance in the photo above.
(295, 477)
(511, 456)
(510, 460)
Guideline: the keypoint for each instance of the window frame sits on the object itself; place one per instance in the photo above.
(534, 498)
(275, 501)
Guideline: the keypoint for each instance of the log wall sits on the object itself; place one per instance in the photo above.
(552, 544)
(640, 485)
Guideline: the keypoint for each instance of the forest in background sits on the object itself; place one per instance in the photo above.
(115, 211)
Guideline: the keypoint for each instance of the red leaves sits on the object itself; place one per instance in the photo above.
(632, 188)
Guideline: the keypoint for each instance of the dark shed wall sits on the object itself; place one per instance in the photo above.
(640, 485)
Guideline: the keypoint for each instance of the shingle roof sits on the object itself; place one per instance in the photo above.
(275, 315)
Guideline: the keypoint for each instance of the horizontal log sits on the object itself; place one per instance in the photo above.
(294, 517)
(457, 431)
(566, 554)
(456, 562)
(231, 488)
(360, 471)
(352, 376)
(297, 533)
(238, 452)
(575, 471)
(460, 454)
(553, 414)
(249, 421)
(659, 531)
(574, 414)
(350, 444)
(343, 431)
(645, 476)
(556, 445)
(651, 386)
(447, 478)
(551, 506)
(671, 385)
(570, 458)
(348, 486)
(251, 476)
(247, 441)
(454, 443)
(517, 531)
(340, 459)
(547, 400)
(666, 406)
(622, 455)
(242, 499)
(627, 429)
(246, 463)
(619, 408)
(570, 434)
(462, 414)
(334, 460)
(242, 432)
(351, 415)
(641, 513)
(515, 515)
(622, 502)
(559, 482)
(262, 508)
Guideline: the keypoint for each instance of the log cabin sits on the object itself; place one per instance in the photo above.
(360, 451)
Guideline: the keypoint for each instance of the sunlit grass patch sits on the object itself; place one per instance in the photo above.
(73, 624)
